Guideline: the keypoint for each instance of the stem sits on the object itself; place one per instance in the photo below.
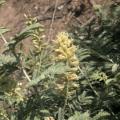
(89, 83)
(26, 75)
(66, 95)
(53, 17)
(24, 71)
(5, 41)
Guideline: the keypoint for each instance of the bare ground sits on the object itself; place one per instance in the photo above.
(55, 15)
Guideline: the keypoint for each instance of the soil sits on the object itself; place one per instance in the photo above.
(67, 13)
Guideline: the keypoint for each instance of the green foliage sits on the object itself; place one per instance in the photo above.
(2, 2)
(100, 59)
(48, 73)
(3, 30)
(33, 86)
(86, 116)
(6, 59)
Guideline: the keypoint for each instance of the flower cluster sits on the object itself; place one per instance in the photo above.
(38, 41)
(3, 114)
(37, 35)
(17, 94)
(65, 52)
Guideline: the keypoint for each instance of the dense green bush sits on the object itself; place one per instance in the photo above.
(99, 48)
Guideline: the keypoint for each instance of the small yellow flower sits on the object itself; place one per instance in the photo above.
(72, 76)
(74, 63)
(74, 69)
(60, 51)
(61, 57)
(73, 58)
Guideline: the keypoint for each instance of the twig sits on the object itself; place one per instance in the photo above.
(24, 71)
(41, 18)
(52, 7)
(95, 92)
(88, 22)
(5, 41)
(26, 75)
(53, 17)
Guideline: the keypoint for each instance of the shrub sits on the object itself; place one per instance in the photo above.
(70, 78)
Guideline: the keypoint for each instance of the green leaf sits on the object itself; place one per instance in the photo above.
(80, 116)
(2, 2)
(3, 30)
(101, 115)
(22, 35)
(6, 59)
(51, 71)
(115, 68)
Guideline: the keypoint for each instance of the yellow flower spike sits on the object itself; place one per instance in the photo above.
(65, 52)
(37, 36)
